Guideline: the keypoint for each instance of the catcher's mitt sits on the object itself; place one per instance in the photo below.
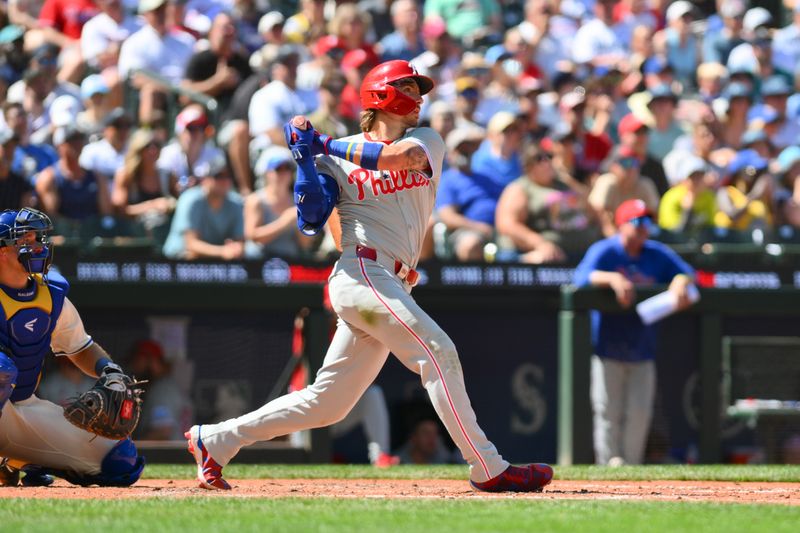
(111, 408)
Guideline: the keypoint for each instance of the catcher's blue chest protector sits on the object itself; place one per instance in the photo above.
(30, 315)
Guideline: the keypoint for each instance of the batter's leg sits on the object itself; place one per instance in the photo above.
(351, 364)
(34, 431)
(386, 311)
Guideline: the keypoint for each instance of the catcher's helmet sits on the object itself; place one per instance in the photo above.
(14, 225)
(377, 91)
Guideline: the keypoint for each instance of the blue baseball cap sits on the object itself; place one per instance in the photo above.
(738, 90)
(662, 91)
(762, 112)
(272, 158)
(753, 136)
(655, 65)
(746, 159)
(11, 33)
(775, 86)
(496, 53)
(788, 157)
(93, 84)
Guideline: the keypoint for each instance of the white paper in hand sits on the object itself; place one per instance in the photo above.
(662, 305)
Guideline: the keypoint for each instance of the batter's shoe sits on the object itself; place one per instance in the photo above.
(528, 478)
(35, 476)
(209, 472)
(385, 460)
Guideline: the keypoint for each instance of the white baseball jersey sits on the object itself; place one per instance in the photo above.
(387, 210)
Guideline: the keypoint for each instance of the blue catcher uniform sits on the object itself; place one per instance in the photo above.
(37, 319)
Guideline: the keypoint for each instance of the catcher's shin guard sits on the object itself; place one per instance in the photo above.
(121, 467)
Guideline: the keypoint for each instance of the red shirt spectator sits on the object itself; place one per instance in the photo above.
(67, 16)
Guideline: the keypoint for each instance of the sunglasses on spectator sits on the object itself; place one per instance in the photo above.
(639, 222)
(153, 144)
(194, 128)
(629, 162)
(542, 157)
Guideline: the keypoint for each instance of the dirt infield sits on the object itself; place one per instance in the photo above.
(688, 491)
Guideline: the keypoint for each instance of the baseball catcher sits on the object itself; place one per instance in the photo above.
(36, 440)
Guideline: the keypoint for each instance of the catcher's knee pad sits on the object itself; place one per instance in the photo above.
(121, 467)
(8, 378)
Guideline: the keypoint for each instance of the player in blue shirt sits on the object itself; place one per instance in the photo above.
(623, 365)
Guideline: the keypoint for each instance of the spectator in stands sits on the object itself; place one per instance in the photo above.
(94, 94)
(775, 92)
(217, 72)
(37, 88)
(543, 215)
(15, 190)
(677, 42)
(354, 65)
(468, 22)
(13, 56)
(758, 140)
(72, 195)
(665, 130)
(622, 182)
(62, 22)
(270, 217)
(441, 60)
(190, 147)
(425, 446)
(623, 371)
(551, 53)
(308, 24)
(103, 35)
(208, 220)
(718, 45)
(167, 413)
(468, 94)
(591, 148)
(691, 205)
(596, 43)
(635, 134)
(787, 193)
(500, 93)
(142, 191)
(105, 156)
(153, 48)
(405, 42)
(709, 81)
(29, 158)
(442, 119)
(786, 44)
(739, 99)
(498, 155)
(271, 38)
(349, 25)
(277, 102)
(528, 91)
(327, 118)
(745, 200)
(467, 199)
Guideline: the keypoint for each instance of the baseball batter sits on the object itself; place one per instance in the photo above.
(383, 183)
(34, 435)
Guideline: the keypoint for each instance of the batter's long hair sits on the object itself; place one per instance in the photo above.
(367, 120)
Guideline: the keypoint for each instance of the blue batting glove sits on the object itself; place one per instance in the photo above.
(295, 135)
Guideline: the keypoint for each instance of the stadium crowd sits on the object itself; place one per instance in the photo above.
(163, 120)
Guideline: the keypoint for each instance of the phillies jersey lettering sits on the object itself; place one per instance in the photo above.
(387, 181)
(387, 210)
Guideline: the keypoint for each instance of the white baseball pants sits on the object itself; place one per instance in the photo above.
(376, 315)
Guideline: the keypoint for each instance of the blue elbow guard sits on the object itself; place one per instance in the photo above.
(370, 152)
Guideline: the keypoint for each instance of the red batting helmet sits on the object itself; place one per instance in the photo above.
(378, 93)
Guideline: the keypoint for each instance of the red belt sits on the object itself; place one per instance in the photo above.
(403, 271)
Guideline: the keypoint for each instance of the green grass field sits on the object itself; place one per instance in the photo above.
(216, 514)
